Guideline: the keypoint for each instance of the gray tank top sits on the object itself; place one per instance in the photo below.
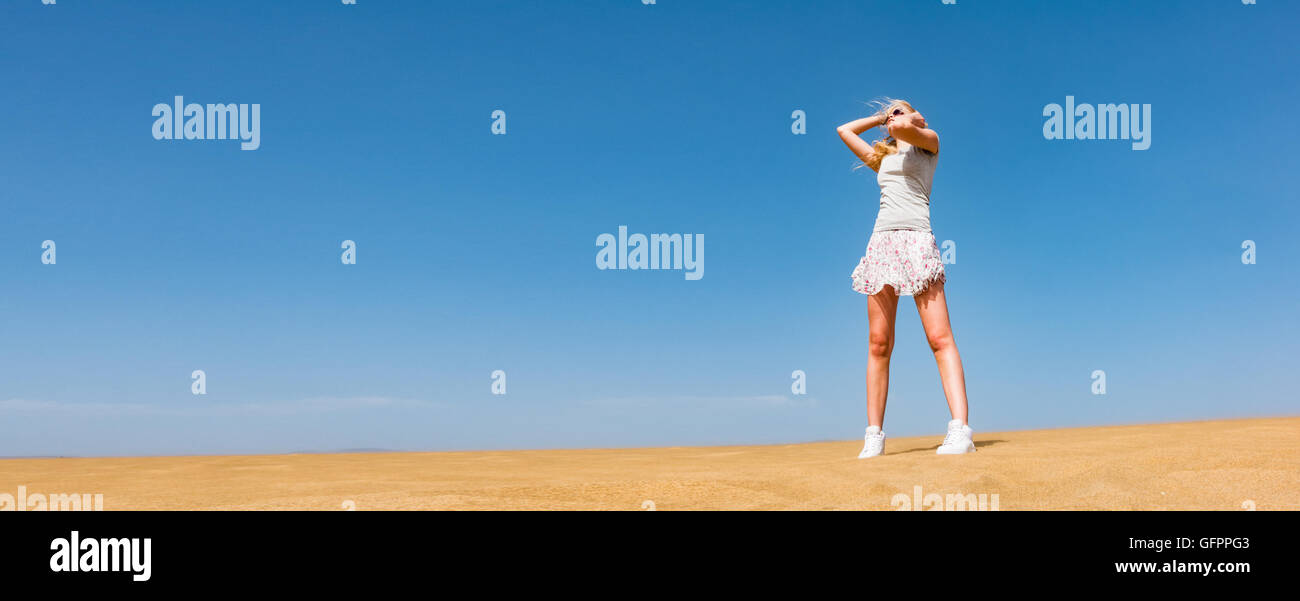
(905, 178)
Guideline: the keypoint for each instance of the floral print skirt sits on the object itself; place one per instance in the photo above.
(905, 259)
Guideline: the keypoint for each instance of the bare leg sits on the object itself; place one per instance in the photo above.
(882, 307)
(933, 307)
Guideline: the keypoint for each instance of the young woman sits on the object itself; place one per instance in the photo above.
(902, 259)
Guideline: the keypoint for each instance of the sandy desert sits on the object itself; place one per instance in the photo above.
(1215, 465)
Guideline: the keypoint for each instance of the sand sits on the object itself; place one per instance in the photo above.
(1222, 465)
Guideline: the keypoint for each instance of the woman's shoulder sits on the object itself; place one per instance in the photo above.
(921, 152)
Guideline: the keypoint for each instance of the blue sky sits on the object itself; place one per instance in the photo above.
(475, 252)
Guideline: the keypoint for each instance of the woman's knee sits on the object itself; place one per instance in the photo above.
(880, 344)
(940, 341)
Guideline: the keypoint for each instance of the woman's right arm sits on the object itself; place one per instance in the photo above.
(851, 134)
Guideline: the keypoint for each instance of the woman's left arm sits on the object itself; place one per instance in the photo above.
(911, 128)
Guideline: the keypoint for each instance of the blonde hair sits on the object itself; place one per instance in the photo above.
(887, 145)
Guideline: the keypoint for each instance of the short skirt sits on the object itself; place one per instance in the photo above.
(905, 259)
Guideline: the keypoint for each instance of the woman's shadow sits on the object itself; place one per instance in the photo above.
(979, 444)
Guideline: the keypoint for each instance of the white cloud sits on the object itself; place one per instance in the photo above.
(206, 408)
(706, 402)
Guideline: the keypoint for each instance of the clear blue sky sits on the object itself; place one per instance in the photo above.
(476, 252)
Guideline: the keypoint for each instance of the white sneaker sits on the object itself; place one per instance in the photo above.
(958, 440)
(873, 444)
